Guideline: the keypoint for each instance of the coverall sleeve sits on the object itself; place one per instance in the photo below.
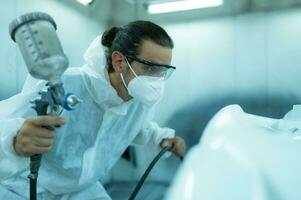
(151, 136)
(12, 115)
(10, 162)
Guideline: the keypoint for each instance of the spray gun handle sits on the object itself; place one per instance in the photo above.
(35, 162)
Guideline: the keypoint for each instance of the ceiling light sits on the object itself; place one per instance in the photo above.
(182, 5)
(85, 2)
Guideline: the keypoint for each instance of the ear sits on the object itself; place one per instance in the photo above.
(117, 61)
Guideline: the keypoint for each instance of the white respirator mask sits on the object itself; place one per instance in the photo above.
(148, 90)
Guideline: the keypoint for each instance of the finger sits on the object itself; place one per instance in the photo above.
(179, 150)
(47, 121)
(174, 144)
(40, 132)
(35, 150)
(38, 142)
(165, 143)
(41, 150)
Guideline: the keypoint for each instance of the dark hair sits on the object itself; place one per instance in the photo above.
(127, 39)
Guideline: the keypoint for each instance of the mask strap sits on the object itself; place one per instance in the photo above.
(121, 75)
(126, 60)
(122, 79)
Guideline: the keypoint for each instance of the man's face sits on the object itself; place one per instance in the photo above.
(151, 52)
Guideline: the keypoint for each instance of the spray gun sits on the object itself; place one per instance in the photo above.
(35, 34)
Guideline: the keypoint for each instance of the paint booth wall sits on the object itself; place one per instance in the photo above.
(75, 31)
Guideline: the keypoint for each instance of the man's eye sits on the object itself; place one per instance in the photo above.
(146, 68)
(154, 70)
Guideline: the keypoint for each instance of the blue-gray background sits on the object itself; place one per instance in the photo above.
(246, 52)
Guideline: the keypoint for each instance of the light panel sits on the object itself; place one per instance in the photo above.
(182, 5)
(85, 2)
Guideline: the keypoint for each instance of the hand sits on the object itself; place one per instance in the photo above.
(33, 138)
(178, 145)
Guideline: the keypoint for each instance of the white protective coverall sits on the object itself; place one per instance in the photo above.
(87, 146)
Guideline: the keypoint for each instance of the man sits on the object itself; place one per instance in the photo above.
(119, 91)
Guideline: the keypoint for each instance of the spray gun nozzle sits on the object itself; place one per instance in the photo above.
(71, 101)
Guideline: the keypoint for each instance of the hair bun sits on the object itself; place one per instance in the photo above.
(109, 35)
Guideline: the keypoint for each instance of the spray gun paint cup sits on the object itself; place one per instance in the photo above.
(35, 34)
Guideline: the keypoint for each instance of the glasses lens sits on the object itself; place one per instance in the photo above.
(150, 69)
(169, 73)
(157, 71)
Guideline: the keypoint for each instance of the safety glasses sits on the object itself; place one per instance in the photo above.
(153, 69)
